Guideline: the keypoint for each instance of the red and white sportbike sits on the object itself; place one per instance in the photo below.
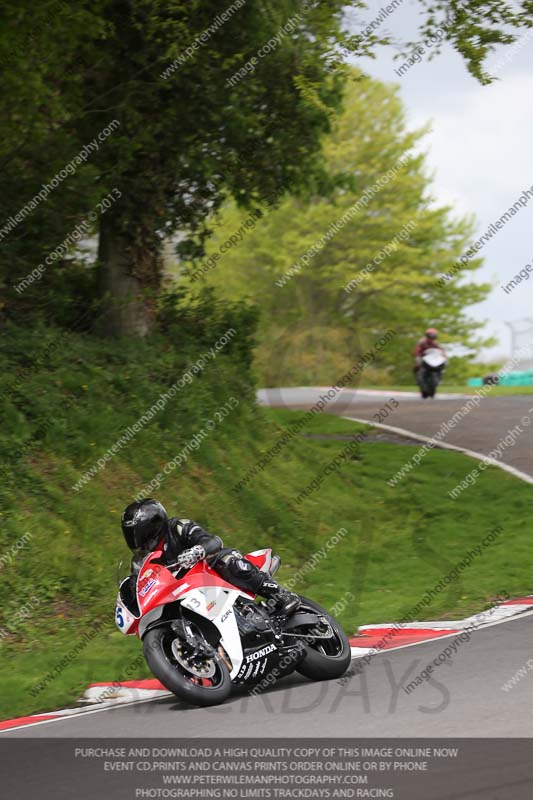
(201, 635)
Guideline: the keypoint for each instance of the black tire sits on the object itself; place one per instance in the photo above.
(433, 382)
(423, 383)
(156, 644)
(320, 666)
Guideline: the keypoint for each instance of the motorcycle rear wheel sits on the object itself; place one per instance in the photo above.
(327, 659)
(157, 645)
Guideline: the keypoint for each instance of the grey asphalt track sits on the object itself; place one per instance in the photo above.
(482, 429)
(464, 699)
(465, 696)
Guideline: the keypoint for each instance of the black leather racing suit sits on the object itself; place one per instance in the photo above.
(182, 534)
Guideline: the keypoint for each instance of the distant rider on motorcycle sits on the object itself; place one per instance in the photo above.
(146, 527)
(428, 341)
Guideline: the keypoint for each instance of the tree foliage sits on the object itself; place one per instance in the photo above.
(328, 290)
(476, 27)
(189, 134)
(186, 137)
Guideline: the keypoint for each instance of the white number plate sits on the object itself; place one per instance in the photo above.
(123, 618)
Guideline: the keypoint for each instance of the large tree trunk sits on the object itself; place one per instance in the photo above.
(130, 275)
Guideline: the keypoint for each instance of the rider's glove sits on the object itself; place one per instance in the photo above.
(190, 557)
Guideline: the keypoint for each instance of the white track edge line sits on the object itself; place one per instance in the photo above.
(445, 446)
(157, 699)
(401, 432)
(449, 635)
(67, 717)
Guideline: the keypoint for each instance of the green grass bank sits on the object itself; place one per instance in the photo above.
(67, 398)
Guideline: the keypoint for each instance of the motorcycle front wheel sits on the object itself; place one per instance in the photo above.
(433, 382)
(421, 381)
(172, 662)
(325, 659)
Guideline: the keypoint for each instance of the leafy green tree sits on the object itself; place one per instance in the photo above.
(366, 259)
(474, 28)
(199, 121)
(188, 134)
(37, 141)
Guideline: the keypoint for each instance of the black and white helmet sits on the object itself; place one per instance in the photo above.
(143, 524)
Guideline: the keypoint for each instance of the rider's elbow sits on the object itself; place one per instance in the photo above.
(215, 546)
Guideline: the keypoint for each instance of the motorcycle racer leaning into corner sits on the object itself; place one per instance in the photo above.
(428, 341)
(147, 527)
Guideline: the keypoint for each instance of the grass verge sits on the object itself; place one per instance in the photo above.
(398, 542)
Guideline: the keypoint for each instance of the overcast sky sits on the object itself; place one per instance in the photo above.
(480, 151)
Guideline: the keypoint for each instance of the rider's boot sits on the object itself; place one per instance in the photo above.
(236, 569)
(279, 599)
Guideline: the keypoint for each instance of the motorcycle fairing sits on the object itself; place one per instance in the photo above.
(126, 622)
(201, 590)
(434, 357)
(261, 558)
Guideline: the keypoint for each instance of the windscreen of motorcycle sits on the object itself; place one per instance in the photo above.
(434, 357)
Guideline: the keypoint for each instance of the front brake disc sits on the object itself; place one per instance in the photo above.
(200, 667)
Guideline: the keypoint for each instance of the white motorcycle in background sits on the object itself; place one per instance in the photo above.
(430, 372)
